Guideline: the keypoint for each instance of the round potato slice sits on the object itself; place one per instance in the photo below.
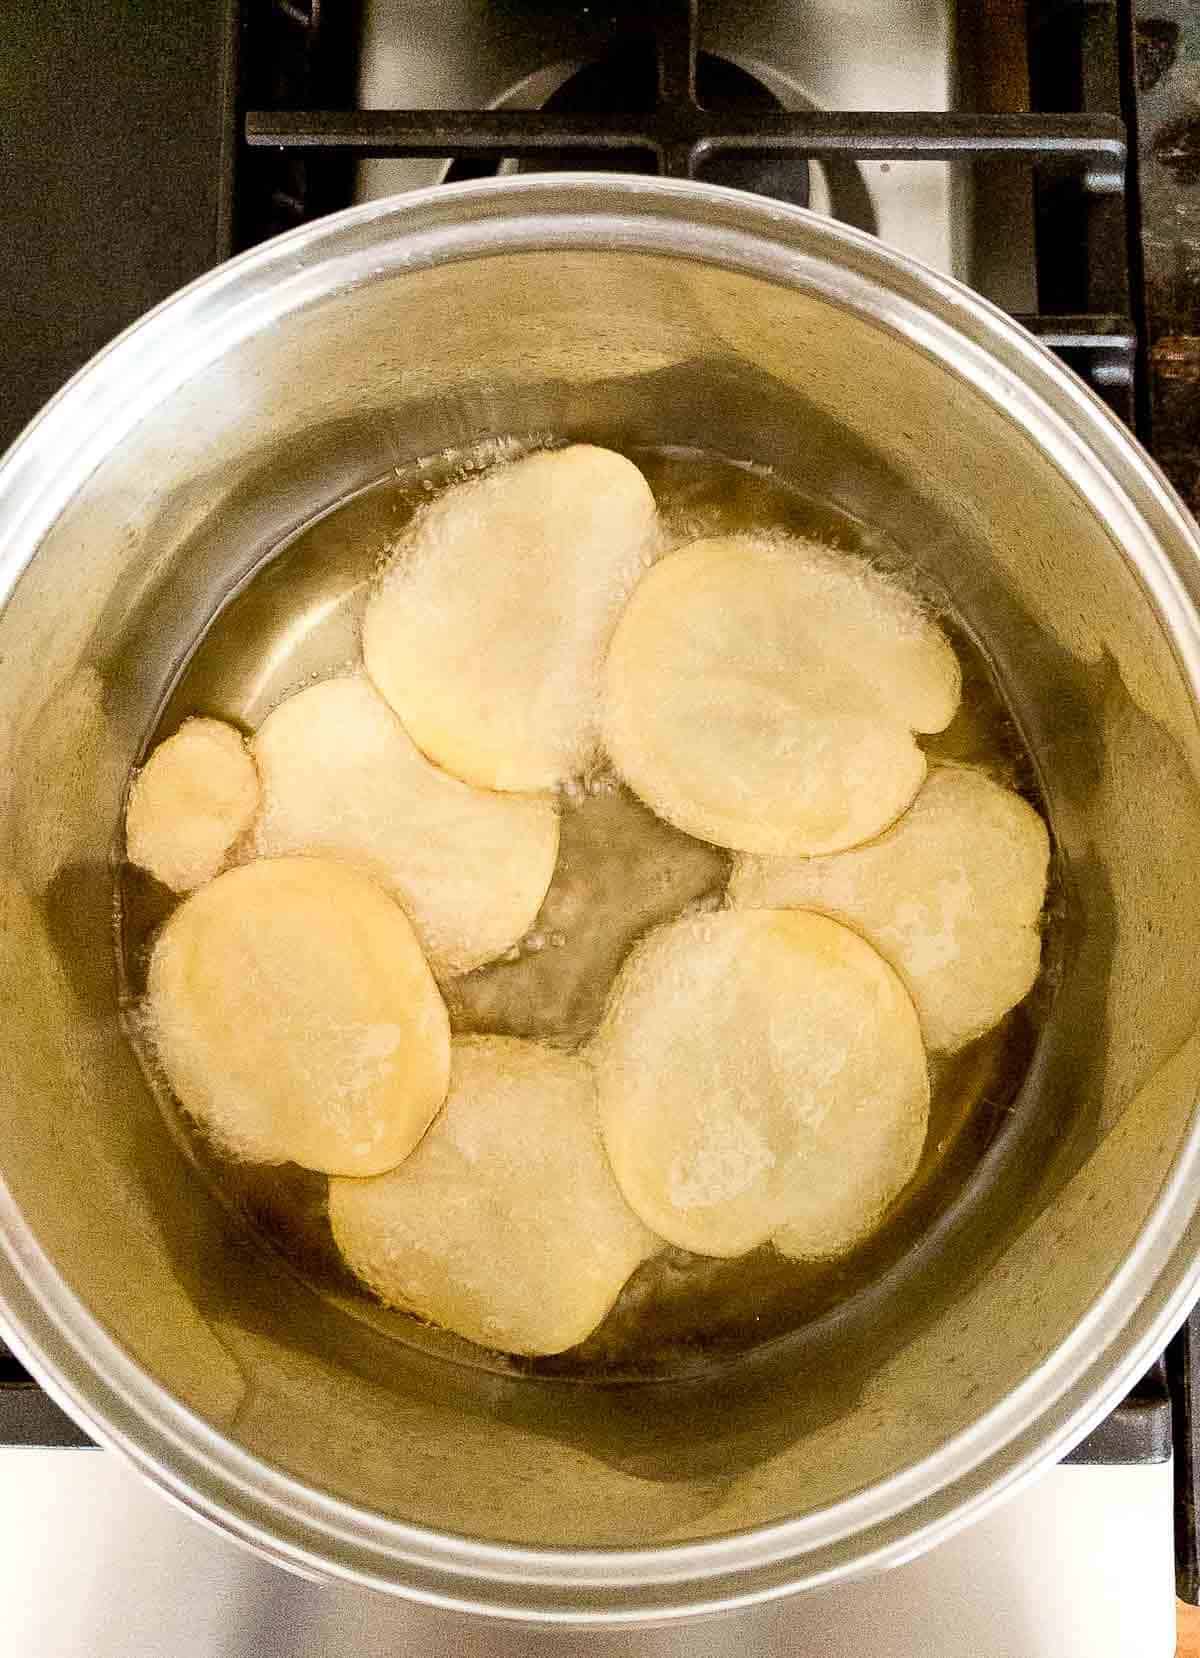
(505, 1225)
(488, 633)
(342, 777)
(755, 1070)
(295, 1017)
(194, 797)
(763, 695)
(951, 896)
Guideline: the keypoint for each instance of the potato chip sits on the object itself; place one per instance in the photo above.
(951, 896)
(487, 634)
(296, 1019)
(763, 694)
(341, 777)
(192, 800)
(505, 1225)
(755, 1070)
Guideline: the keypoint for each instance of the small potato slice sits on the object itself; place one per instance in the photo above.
(756, 1070)
(194, 797)
(505, 1225)
(341, 777)
(488, 633)
(295, 1017)
(763, 695)
(951, 896)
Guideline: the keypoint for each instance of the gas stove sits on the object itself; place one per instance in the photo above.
(1046, 153)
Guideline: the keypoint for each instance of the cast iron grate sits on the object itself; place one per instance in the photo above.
(302, 137)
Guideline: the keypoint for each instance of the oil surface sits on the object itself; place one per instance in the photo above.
(621, 870)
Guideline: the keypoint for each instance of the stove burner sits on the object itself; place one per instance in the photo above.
(626, 81)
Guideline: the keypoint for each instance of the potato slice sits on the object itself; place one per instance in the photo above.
(488, 633)
(764, 694)
(505, 1225)
(296, 1020)
(951, 896)
(341, 777)
(194, 797)
(755, 1070)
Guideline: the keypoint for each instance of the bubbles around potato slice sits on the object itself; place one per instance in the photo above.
(487, 635)
(951, 896)
(763, 694)
(755, 1070)
(341, 777)
(296, 1019)
(505, 1225)
(192, 800)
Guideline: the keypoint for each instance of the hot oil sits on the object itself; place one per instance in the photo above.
(621, 871)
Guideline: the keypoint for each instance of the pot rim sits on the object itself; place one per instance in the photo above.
(311, 1531)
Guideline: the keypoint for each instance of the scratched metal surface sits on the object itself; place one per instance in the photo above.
(1168, 39)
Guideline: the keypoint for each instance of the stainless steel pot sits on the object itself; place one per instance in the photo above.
(610, 308)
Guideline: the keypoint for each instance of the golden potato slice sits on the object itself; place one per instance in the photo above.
(341, 777)
(505, 1225)
(764, 694)
(757, 1069)
(487, 634)
(194, 797)
(951, 896)
(295, 1017)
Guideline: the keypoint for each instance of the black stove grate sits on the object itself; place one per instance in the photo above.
(301, 141)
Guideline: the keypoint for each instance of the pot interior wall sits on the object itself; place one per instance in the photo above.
(626, 348)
